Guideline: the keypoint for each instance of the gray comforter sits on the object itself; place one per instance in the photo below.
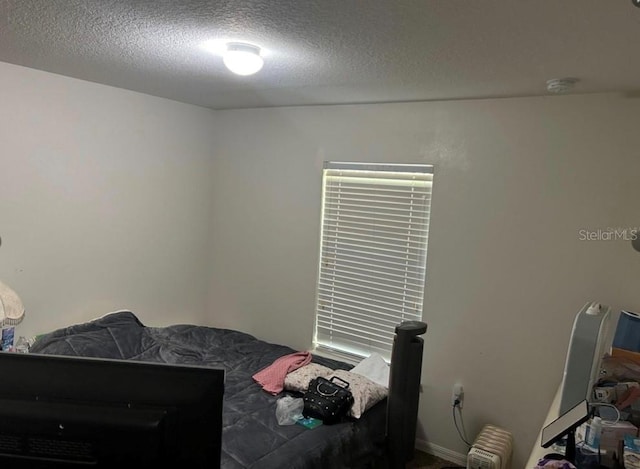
(252, 437)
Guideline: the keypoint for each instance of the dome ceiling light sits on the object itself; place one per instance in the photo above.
(242, 59)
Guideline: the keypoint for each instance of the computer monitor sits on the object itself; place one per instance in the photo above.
(565, 426)
(71, 412)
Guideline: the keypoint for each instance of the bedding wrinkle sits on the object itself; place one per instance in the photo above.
(122, 356)
(272, 377)
(68, 342)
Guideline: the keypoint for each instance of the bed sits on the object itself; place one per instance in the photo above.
(251, 435)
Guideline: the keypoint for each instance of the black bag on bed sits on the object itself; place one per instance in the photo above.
(327, 400)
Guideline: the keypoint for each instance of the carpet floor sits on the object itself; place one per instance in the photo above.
(428, 461)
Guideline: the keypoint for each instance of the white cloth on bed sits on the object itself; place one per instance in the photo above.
(375, 368)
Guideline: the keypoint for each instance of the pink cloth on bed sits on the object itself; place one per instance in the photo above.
(272, 377)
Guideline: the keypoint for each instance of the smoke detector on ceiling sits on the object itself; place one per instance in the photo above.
(561, 85)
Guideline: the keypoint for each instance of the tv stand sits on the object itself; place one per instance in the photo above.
(570, 450)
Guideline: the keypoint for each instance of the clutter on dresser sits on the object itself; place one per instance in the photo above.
(616, 398)
(631, 453)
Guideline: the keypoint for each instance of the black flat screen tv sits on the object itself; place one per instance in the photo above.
(73, 412)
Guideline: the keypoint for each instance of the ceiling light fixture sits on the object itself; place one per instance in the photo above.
(242, 59)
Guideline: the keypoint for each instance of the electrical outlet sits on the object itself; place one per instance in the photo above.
(457, 395)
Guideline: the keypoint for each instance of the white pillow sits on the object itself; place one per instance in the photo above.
(298, 380)
(375, 368)
(365, 392)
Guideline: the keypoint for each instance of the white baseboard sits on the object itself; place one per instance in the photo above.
(442, 452)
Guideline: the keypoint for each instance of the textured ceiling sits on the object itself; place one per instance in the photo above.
(330, 51)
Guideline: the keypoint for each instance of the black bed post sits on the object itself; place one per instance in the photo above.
(404, 392)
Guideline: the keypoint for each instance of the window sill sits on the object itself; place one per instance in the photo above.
(336, 355)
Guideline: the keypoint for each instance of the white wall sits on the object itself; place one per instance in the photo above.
(515, 181)
(104, 197)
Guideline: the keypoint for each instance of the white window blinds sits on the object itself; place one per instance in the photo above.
(373, 251)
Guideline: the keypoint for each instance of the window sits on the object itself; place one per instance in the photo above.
(373, 254)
